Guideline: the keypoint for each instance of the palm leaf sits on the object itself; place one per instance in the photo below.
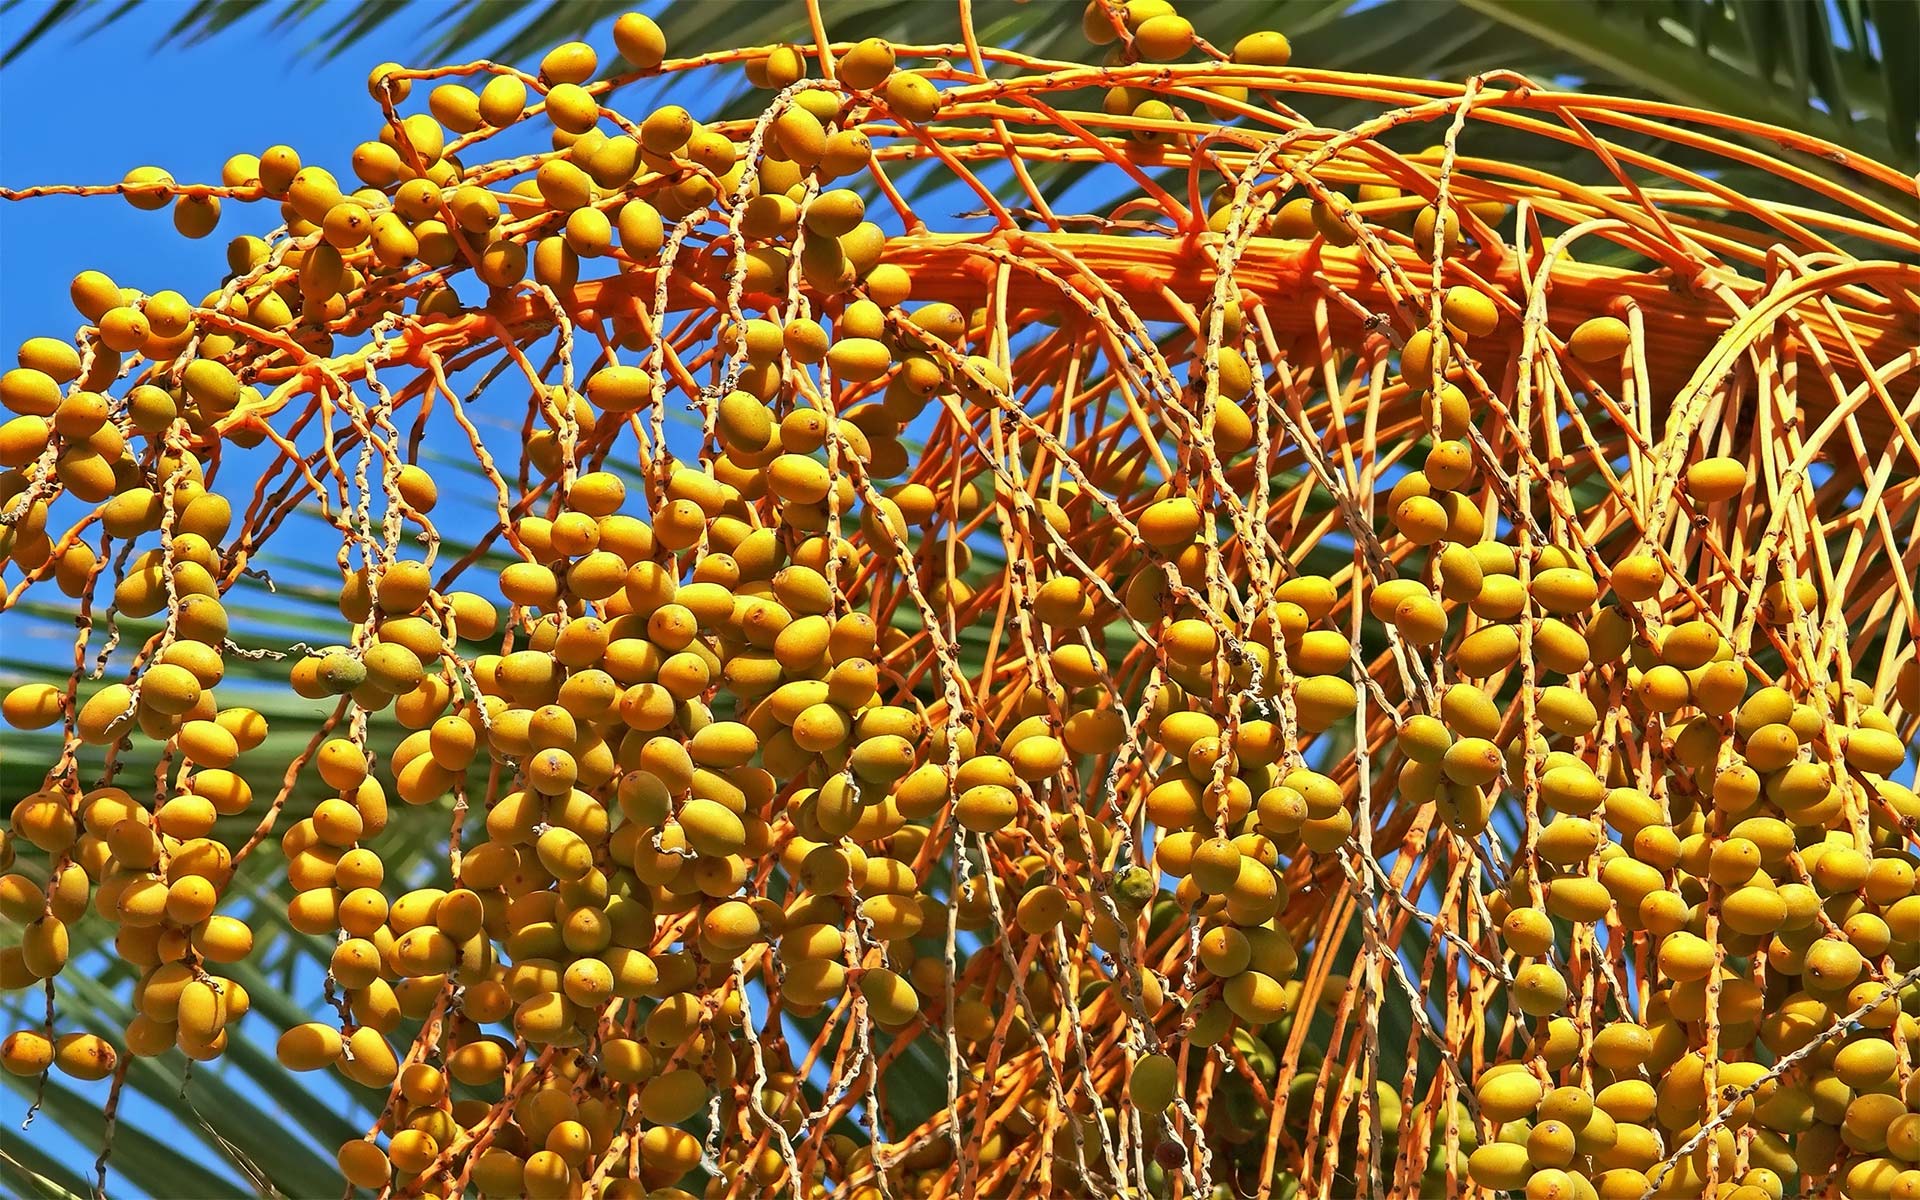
(40, 1174)
(160, 1166)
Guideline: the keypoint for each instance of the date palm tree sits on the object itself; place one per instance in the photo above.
(1842, 70)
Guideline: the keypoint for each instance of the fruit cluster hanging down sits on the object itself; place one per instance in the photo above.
(988, 626)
